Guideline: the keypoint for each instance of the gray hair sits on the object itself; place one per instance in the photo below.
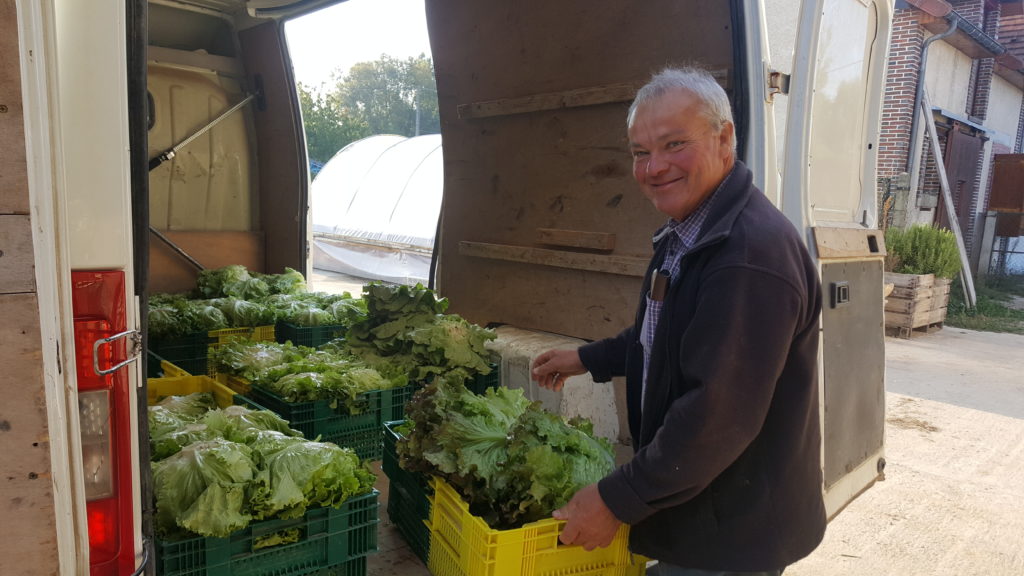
(715, 105)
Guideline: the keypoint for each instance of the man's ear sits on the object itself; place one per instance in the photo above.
(727, 136)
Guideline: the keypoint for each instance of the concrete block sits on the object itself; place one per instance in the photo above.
(580, 396)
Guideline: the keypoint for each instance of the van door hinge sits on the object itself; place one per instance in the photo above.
(778, 83)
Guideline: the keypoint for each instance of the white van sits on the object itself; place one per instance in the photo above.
(539, 222)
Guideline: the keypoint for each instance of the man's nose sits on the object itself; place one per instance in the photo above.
(655, 165)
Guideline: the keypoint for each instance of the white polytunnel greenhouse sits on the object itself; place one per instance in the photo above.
(375, 206)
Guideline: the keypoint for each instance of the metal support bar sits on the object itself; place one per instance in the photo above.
(966, 278)
(177, 249)
(172, 152)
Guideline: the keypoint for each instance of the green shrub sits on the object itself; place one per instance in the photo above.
(922, 249)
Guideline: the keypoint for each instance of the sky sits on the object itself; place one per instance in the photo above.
(355, 31)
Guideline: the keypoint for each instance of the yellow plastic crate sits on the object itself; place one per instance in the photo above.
(219, 337)
(464, 545)
(172, 371)
(256, 334)
(157, 388)
(236, 383)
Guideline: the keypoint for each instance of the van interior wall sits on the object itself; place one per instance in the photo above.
(280, 145)
(533, 114)
(237, 194)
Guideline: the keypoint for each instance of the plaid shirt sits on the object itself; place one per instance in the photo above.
(681, 238)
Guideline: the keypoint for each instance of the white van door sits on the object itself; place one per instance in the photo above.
(828, 190)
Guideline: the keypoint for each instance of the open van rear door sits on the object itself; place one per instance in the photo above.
(828, 189)
(541, 218)
(542, 227)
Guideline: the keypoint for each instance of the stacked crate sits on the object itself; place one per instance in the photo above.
(409, 496)
(918, 301)
(335, 539)
(191, 353)
(332, 541)
(311, 336)
(319, 419)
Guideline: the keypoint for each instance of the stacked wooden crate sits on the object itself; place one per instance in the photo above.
(918, 301)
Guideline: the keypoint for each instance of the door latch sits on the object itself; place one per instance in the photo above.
(778, 83)
(134, 351)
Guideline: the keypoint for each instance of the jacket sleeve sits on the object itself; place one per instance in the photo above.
(732, 354)
(606, 358)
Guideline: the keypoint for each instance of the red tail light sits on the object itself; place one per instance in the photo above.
(104, 402)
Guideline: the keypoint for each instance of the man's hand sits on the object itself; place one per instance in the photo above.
(590, 523)
(552, 368)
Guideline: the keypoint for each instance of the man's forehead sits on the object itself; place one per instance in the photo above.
(666, 124)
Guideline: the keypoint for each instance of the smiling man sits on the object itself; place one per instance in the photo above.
(721, 365)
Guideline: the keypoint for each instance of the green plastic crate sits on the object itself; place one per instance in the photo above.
(361, 432)
(408, 496)
(410, 525)
(481, 382)
(331, 539)
(354, 567)
(188, 352)
(311, 336)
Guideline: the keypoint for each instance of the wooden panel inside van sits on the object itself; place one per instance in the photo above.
(533, 101)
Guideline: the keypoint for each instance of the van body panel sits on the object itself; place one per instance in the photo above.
(828, 190)
(533, 102)
(208, 184)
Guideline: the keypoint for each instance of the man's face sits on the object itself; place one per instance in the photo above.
(679, 159)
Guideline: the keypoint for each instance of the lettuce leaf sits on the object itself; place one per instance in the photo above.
(300, 475)
(250, 359)
(202, 489)
(513, 462)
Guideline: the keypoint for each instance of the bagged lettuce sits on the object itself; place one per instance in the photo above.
(204, 489)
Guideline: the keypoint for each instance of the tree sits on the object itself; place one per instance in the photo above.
(329, 127)
(384, 96)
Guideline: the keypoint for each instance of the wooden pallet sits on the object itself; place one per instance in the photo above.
(918, 301)
(906, 333)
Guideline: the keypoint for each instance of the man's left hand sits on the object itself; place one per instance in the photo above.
(589, 521)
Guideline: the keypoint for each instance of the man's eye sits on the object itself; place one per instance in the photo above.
(637, 154)
(673, 144)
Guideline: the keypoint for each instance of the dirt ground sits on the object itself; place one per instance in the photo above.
(953, 499)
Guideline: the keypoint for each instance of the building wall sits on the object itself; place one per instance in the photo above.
(897, 115)
(900, 87)
(1011, 35)
(948, 78)
(1004, 112)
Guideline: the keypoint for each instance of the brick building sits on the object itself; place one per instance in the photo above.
(968, 55)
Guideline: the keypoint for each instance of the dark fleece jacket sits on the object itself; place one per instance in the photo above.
(727, 469)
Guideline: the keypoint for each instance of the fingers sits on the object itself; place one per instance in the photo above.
(553, 381)
(541, 360)
(570, 534)
(545, 371)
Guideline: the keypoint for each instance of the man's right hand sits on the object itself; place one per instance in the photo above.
(552, 368)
